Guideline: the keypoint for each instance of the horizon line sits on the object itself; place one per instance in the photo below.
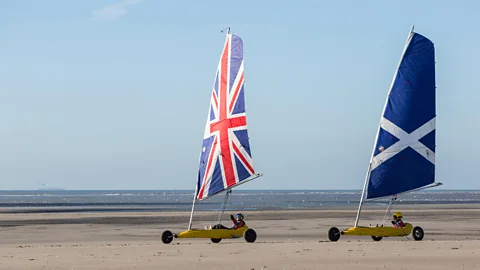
(307, 189)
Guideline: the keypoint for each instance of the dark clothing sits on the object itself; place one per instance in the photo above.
(237, 224)
(398, 223)
(220, 226)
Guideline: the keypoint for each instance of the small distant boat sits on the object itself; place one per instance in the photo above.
(403, 158)
(225, 160)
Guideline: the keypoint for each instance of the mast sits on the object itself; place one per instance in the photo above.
(193, 208)
(363, 194)
(410, 34)
(196, 185)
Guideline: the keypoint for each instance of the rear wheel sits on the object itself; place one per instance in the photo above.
(377, 238)
(167, 237)
(417, 233)
(216, 240)
(250, 236)
(334, 234)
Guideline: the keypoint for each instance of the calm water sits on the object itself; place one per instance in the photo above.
(180, 200)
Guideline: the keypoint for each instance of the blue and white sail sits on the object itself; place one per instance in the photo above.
(403, 159)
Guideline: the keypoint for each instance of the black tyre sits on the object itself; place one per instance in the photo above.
(216, 240)
(417, 233)
(334, 234)
(167, 237)
(250, 236)
(377, 238)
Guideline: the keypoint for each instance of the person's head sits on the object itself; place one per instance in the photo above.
(397, 216)
(239, 217)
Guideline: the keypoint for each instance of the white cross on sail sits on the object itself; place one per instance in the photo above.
(405, 140)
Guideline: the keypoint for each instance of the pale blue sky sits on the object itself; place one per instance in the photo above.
(95, 96)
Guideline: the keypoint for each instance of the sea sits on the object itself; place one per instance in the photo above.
(181, 200)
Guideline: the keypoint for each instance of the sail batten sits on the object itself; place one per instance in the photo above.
(234, 186)
(435, 184)
(226, 160)
(404, 155)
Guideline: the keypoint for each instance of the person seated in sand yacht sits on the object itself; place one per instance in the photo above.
(397, 220)
(237, 223)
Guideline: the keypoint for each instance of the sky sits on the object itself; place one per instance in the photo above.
(99, 94)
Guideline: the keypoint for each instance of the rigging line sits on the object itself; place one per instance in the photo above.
(229, 204)
(393, 205)
(393, 210)
(386, 213)
(223, 206)
(229, 200)
(390, 204)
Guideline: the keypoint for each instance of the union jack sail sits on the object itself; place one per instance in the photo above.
(225, 159)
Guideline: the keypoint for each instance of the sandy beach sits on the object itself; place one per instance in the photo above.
(286, 240)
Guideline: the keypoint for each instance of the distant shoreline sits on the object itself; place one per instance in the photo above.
(65, 201)
(162, 208)
(191, 190)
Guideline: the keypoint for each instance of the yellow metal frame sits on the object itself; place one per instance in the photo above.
(380, 231)
(213, 233)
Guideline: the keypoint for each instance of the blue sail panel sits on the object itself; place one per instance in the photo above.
(242, 136)
(242, 172)
(216, 185)
(240, 104)
(429, 140)
(385, 140)
(236, 60)
(407, 161)
(405, 171)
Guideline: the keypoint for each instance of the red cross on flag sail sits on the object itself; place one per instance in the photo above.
(226, 159)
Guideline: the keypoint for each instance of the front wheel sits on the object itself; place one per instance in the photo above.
(377, 238)
(167, 237)
(250, 235)
(334, 234)
(417, 233)
(216, 240)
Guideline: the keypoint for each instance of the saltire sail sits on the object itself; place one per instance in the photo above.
(225, 159)
(404, 155)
